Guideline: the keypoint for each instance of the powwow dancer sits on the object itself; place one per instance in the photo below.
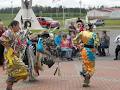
(43, 50)
(87, 53)
(27, 53)
(15, 68)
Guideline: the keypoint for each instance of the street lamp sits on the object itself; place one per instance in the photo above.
(80, 2)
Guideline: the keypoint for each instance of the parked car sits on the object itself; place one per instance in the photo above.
(97, 22)
(48, 22)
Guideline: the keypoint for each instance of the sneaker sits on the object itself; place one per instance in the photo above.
(87, 79)
(69, 59)
(115, 58)
(86, 85)
(97, 54)
(82, 74)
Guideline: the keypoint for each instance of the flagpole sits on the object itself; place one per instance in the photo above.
(63, 13)
(12, 8)
(80, 7)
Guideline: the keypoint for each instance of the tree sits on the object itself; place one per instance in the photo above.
(101, 6)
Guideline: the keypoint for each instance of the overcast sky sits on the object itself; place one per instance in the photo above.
(66, 3)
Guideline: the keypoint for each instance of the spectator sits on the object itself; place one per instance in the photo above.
(117, 41)
(1, 46)
(79, 20)
(1, 28)
(104, 43)
(72, 29)
(66, 47)
(97, 44)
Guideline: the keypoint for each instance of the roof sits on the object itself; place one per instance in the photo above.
(108, 9)
(111, 9)
(102, 10)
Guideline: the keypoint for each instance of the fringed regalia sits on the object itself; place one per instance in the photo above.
(15, 67)
(87, 52)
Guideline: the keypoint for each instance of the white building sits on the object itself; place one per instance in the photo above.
(115, 14)
(98, 14)
(112, 13)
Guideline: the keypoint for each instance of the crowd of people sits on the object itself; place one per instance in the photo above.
(20, 62)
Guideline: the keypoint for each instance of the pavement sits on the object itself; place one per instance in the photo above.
(106, 77)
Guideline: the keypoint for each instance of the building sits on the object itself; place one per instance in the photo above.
(104, 13)
(115, 14)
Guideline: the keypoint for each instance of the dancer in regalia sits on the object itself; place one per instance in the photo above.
(87, 38)
(15, 68)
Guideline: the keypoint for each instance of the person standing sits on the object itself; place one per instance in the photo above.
(104, 43)
(79, 20)
(1, 46)
(88, 38)
(117, 41)
(97, 44)
(15, 68)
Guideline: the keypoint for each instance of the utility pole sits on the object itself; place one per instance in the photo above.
(80, 2)
(63, 13)
(12, 8)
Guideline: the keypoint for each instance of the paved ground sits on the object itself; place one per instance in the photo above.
(107, 77)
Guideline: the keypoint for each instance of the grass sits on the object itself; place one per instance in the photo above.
(108, 28)
(112, 22)
(7, 18)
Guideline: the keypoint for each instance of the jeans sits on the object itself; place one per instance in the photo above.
(68, 52)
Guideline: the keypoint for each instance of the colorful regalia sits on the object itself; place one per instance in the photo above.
(15, 67)
(87, 52)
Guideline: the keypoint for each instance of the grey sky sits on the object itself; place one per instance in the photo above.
(66, 3)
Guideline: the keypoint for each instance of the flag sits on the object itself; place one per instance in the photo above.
(55, 1)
